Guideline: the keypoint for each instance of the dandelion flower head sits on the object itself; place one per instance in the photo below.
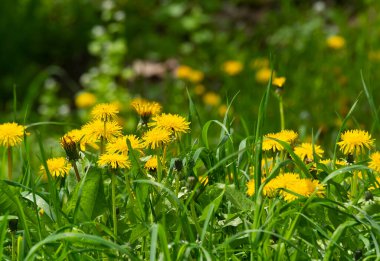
(120, 144)
(105, 112)
(156, 137)
(151, 163)
(171, 122)
(288, 136)
(145, 109)
(336, 42)
(250, 187)
(355, 141)
(11, 134)
(279, 81)
(305, 151)
(211, 99)
(375, 161)
(93, 131)
(58, 167)
(85, 100)
(263, 75)
(114, 160)
(232, 67)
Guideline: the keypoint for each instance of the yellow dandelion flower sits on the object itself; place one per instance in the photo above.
(85, 99)
(156, 137)
(151, 163)
(120, 144)
(303, 187)
(105, 112)
(305, 151)
(355, 141)
(328, 162)
(93, 131)
(259, 63)
(145, 109)
(211, 99)
(196, 76)
(203, 180)
(279, 81)
(57, 167)
(232, 67)
(171, 122)
(263, 75)
(183, 72)
(114, 160)
(251, 187)
(199, 89)
(11, 134)
(288, 136)
(375, 161)
(70, 147)
(336, 42)
(222, 110)
(376, 184)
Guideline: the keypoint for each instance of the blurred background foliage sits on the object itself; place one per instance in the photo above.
(52, 52)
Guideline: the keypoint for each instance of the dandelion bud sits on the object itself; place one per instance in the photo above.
(70, 148)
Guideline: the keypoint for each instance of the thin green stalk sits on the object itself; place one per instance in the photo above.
(10, 163)
(13, 237)
(282, 115)
(20, 248)
(76, 170)
(128, 186)
(113, 191)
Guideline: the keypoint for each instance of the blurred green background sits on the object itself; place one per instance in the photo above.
(51, 51)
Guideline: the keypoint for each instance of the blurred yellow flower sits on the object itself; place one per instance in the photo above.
(259, 63)
(196, 76)
(145, 109)
(355, 141)
(203, 180)
(11, 134)
(251, 187)
(114, 160)
(211, 98)
(85, 99)
(232, 67)
(374, 55)
(279, 81)
(183, 72)
(199, 89)
(336, 42)
(375, 161)
(263, 75)
(222, 110)
(57, 167)
(156, 137)
(105, 112)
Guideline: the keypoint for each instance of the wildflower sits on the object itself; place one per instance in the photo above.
(329, 161)
(288, 136)
(232, 67)
(279, 81)
(305, 151)
(57, 167)
(263, 75)
(171, 122)
(303, 187)
(11, 134)
(374, 55)
(151, 163)
(70, 148)
(183, 72)
(93, 131)
(355, 141)
(375, 161)
(120, 144)
(336, 42)
(156, 137)
(105, 112)
(203, 180)
(114, 160)
(199, 89)
(222, 110)
(85, 100)
(145, 109)
(196, 76)
(211, 98)
(251, 187)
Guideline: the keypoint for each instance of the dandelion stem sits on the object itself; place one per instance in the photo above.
(76, 170)
(10, 163)
(128, 186)
(113, 191)
(282, 116)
